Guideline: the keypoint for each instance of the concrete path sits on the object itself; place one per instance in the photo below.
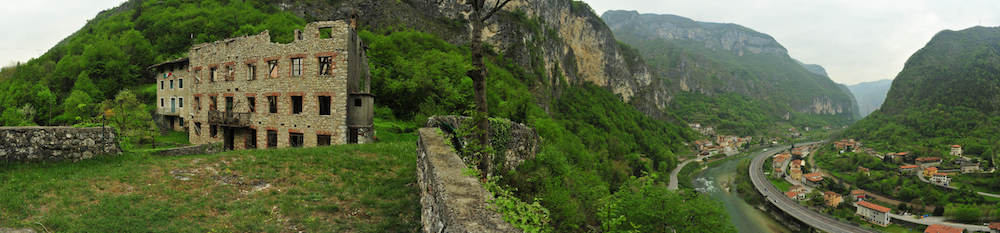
(673, 174)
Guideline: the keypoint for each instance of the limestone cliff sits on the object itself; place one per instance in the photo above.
(711, 59)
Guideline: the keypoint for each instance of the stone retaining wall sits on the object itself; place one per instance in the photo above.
(56, 143)
(452, 201)
(522, 141)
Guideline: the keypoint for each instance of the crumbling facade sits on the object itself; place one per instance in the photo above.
(249, 92)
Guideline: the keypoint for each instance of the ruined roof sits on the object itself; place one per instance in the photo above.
(938, 228)
(873, 206)
(171, 62)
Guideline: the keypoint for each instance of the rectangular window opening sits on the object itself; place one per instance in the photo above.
(251, 72)
(197, 103)
(325, 33)
(252, 103)
(296, 104)
(213, 131)
(322, 140)
(171, 84)
(324, 105)
(213, 104)
(295, 139)
(197, 128)
(296, 66)
(272, 104)
(357, 102)
(180, 102)
(272, 67)
(211, 74)
(251, 140)
(325, 65)
(180, 83)
(272, 139)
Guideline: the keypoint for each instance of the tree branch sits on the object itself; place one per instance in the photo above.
(496, 8)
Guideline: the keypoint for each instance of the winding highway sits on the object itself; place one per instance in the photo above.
(791, 207)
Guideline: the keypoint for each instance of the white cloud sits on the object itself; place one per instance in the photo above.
(856, 41)
(32, 27)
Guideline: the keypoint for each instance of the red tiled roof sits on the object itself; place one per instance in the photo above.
(938, 228)
(908, 166)
(928, 159)
(815, 176)
(956, 146)
(995, 225)
(791, 194)
(873, 206)
(857, 191)
(828, 193)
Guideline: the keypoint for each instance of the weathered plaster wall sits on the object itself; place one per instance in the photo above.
(452, 201)
(56, 143)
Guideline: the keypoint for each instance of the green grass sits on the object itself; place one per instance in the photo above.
(781, 184)
(348, 188)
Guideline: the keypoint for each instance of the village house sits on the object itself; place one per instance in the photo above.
(813, 179)
(930, 171)
(832, 199)
(846, 145)
(248, 92)
(994, 227)
(938, 228)
(898, 157)
(796, 195)
(857, 195)
(908, 169)
(956, 150)
(969, 167)
(941, 179)
(873, 213)
(795, 173)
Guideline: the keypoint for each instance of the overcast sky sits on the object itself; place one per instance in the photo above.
(32, 27)
(855, 40)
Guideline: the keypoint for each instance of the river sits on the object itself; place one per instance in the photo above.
(747, 219)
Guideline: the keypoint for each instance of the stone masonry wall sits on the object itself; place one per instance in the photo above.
(452, 201)
(56, 143)
(522, 141)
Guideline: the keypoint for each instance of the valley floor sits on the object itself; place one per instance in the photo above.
(348, 188)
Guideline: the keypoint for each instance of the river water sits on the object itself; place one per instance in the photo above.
(747, 219)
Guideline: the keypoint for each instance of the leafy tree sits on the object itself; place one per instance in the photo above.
(129, 116)
(641, 205)
(77, 107)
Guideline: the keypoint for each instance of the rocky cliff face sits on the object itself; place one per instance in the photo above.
(870, 95)
(715, 36)
(715, 58)
(562, 37)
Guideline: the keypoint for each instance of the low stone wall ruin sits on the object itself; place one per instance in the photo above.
(452, 200)
(520, 142)
(30, 144)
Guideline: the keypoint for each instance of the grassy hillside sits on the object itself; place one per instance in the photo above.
(947, 93)
(351, 188)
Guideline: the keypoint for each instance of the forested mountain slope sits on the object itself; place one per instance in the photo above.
(712, 70)
(947, 93)
(870, 95)
(552, 64)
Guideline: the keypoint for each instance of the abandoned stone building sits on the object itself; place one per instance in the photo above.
(249, 92)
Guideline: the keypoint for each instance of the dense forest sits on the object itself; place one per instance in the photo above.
(598, 152)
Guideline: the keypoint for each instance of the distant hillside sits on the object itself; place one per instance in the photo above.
(870, 95)
(948, 93)
(724, 67)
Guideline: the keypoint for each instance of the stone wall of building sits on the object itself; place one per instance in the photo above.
(56, 143)
(192, 150)
(452, 201)
(235, 76)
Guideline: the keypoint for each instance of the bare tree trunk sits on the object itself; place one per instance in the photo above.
(478, 75)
